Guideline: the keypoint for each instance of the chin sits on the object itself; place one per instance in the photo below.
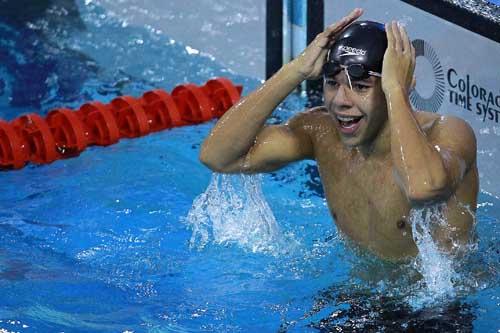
(354, 140)
(351, 142)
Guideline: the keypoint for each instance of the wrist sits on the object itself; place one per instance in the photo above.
(294, 70)
(397, 99)
(394, 90)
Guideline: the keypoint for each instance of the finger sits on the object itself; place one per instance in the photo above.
(411, 69)
(322, 55)
(413, 83)
(321, 44)
(345, 21)
(405, 39)
(397, 37)
(318, 65)
(390, 35)
(409, 79)
(321, 40)
(413, 58)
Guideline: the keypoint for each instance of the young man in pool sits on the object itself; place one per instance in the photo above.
(377, 158)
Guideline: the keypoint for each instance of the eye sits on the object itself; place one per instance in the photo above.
(360, 87)
(331, 82)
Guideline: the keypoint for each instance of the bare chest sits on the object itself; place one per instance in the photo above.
(365, 200)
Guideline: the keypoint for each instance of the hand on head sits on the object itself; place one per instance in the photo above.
(399, 59)
(310, 62)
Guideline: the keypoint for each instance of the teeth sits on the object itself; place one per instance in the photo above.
(346, 119)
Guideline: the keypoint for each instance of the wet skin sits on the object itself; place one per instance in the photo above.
(377, 158)
(364, 196)
(357, 171)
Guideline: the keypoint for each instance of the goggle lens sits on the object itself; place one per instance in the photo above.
(355, 71)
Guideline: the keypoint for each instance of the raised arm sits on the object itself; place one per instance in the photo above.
(430, 165)
(240, 142)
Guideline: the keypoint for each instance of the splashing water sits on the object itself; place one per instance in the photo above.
(434, 265)
(234, 210)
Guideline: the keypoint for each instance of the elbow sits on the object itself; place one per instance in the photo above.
(209, 161)
(429, 191)
(204, 157)
(212, 163)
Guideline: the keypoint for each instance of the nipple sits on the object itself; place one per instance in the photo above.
(401, 224)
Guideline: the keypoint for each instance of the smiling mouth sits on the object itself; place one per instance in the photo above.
(349, 124)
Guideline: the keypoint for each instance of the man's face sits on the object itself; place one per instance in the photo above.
(360, 112)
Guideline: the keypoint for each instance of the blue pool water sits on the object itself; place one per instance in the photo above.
(102, 242)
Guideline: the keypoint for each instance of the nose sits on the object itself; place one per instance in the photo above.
(342, 99)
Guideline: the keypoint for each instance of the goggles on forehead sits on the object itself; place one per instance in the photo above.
(353, 71)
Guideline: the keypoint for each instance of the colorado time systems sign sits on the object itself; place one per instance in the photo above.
(464, 92)
(455, 87)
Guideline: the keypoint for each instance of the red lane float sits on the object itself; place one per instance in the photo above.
(130, 117)
(99, 124)
(11, 148)
(66, 133)
(38, 144)
(223, 93)
(195, 105)
(161, 110)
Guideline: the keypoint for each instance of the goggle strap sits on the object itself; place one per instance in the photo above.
(348, 77)
(375, 74)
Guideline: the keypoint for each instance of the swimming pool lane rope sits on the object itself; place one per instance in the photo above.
(66, 133)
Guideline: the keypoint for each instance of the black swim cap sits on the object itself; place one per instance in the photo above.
(361, 43)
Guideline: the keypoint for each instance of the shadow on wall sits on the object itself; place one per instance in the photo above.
(33, 57)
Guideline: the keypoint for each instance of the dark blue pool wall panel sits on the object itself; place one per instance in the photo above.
(274, 36)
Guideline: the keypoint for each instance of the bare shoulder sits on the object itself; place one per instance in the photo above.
(449, 132)
(426, 120)
(309, 120)
(432, 123)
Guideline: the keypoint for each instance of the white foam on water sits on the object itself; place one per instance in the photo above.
(435, 266)
(233, 210)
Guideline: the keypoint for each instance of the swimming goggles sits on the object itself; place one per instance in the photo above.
(353, 71)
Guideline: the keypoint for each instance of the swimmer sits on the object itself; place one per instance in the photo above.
(376, 156)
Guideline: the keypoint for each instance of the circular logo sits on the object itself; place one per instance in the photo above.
(432, 103)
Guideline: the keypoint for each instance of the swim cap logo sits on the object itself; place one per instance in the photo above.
(351, 51)
(434, 102)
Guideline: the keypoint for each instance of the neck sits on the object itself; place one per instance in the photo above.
(380, 146)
